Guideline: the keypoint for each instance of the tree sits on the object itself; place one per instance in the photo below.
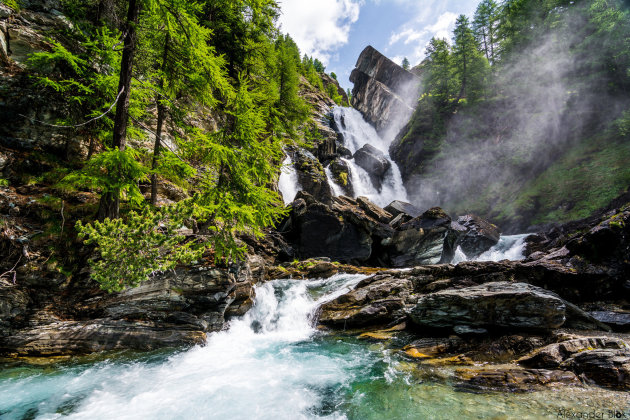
(470, 65)
(405, 63)
(109, 206)
(485, 27)
(441, 82)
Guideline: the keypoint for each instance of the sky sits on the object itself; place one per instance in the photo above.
(336, 31)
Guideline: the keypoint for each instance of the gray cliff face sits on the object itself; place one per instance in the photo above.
(383, 91)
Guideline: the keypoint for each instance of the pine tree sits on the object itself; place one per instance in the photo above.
(405, 63)
(485, 27)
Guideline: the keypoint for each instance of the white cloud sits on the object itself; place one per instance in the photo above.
(422, 27)
(319, 27)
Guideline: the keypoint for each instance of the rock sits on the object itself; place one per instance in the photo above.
(322, 232)
(495, 305)
(609, 368)
(383, 91)
(400, 207)
(373, 211)
(374, 162)
(341, 175)
(480, 235)
(311, 176)
(84, 337)
(378, 300)
(513, 379)
(327, 149)
(14, 308)
(619, 321)
(554, 355)
(421, 240)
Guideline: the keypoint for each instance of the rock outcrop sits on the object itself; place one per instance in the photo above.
(503, 305)
(383, 91)
(480, 235)
(358, 231)
(374, 162)
(172, 310)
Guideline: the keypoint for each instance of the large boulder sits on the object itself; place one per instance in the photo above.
(480, 235)
(341, 176)
(311, 176)
(397, 207)
(494, 305)
(321, 232)
(374, 162)
(422, 240)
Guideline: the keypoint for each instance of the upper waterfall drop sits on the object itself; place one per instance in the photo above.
(356, 134)
(288, 183)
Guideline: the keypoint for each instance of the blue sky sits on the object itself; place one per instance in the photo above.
(336, 31)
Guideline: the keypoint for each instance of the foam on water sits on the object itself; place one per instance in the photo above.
(273, 364)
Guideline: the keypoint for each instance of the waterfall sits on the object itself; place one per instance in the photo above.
(288, 183)
(356, 133)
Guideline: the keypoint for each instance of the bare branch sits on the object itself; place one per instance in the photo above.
(78, 125)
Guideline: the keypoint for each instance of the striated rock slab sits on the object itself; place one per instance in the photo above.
(397, 207)
(607, 368)
(553, 355)
(83, 337)
(491, 305)
(513, 379)
(378, 300)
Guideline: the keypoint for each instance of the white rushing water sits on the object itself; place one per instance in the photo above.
(288, 183)
(261, 368)
(509, 247)
(357, 133)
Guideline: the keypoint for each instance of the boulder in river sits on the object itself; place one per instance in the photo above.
(422, 240)
(494, 305)
(480, 235)
(374, 162)
(341, 175)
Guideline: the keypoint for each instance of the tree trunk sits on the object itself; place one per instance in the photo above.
(110, 201)
(161, 110)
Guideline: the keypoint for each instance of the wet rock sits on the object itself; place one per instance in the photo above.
(374, 162)
(491, 305)
(479, 237)
(609, 368)
(513, 379)
(373, 211)
(421, 240)
(341, 176)
(84, 337)
(322, 232)
(396, 208)
(554, 355)
(378, 300)
(311, 176)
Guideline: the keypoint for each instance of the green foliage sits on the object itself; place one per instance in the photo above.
(333, 75)
(13, 4)
(4, 182)
(333, 93)
(405, 64)
(142, 245)
(114, 170)
(623, 124)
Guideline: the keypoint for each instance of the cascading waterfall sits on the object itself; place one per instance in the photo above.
(288, 182)
(356, 133)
